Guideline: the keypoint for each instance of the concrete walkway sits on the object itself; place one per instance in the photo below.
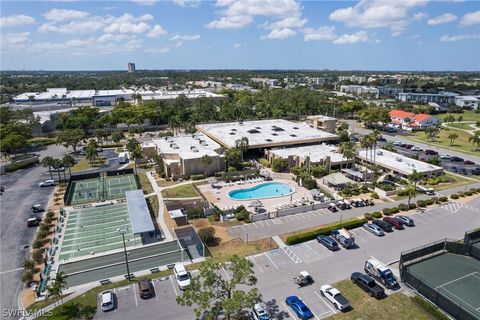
(161, 206)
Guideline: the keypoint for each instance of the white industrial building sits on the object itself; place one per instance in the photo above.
(360, 90)
(443, 97)
(467, 101)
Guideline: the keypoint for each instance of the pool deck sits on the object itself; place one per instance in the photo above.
(220, 198)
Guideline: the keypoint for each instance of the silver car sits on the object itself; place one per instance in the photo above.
(107, 299)
(376, 230)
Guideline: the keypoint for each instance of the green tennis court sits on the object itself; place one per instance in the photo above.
(94, 230)
(101, 189)
(456, 277)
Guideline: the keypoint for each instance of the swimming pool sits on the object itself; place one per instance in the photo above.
(262, 191)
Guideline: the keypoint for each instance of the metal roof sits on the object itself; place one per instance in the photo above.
(138, 210)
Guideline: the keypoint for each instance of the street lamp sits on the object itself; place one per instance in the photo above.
(123, 230)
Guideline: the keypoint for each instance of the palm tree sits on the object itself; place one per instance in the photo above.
(47, 162)
(57, 165)
(242, 144)
(91, 151)
(411, 192)
(415, 177)
(475, 140)
(367, 143)
(132, 144)
(68, 162)
(349, 150)
(452, 137)
(374, 136)
(55, 290)
(136, 154)
(389, 146)
(206, 161)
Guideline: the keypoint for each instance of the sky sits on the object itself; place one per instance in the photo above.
(419, 35)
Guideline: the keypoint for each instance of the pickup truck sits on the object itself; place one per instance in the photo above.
(367, 284)
(335, 297)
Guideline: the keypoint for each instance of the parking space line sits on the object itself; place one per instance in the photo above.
(123, 288)
(225, 271)
(114, 293)
(255, 263)
(155, 288)
(135, 295)
(314, 252)
(274, 264)
(320, 297)
(288, 310)
(324, 314)
(173, 285)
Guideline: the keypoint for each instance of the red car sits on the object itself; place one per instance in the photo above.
(397, 224)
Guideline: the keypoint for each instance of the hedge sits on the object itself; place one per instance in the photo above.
(443, 199)
(310, 235)
(429, 202)
(368, 216)
(377, 215)
(454, 196)
(421, 203)
(412, 206)
(461, 194)
(468, 193)
(197, 176)
(403, 207)
(390, 211)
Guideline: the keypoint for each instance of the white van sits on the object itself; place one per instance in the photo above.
(182, 276)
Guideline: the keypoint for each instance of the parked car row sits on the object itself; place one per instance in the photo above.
(379, 227)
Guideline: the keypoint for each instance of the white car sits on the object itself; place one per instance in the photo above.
(445, 156)
(335, 297)
(47, 183)
(415, 148)
(181, 275)
(107, 300)
(376, 230)
(259, 312)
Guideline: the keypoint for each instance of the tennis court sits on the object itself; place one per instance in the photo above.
(456, 277)
(101, 188)
(94, 230)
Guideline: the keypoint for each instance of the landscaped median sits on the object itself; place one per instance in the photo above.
(325, 230)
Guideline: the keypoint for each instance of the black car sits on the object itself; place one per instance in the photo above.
(367, 284)
(453, 169)
(476, 171)
(387, 227)
(431, 152)
(328, 242)
(463, 171)
(456, 159)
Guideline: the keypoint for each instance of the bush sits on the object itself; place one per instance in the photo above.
(368, 216)
(309, 183)
(264, 162)
(27, 277)
(473, 190)
(403, 207)
(390, 211)
(218, 174)
(429, 202)
(443, 199)
(461, 194)
(421, 203)
(197, 176)
(454, 196)
(377, 215)
(216, 215)
(412, 206)
(37, 255)
(279, 165)
(434, 199)
(194, 213)
(207, 234)
(468, 193)
(327, 230)
(242, 215)
(374, 195)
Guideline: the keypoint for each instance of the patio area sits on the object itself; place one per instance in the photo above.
(217, 194)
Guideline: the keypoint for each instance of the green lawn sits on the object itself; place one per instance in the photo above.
(455, 181)
(467, 116)
(182, 191)
(84, 164)
(461, 144)
(146, 186)
(463, 125)
(395, 306)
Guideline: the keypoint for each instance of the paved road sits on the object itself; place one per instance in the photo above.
(271, 227)
(355, 128)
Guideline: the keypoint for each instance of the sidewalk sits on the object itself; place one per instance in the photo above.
(161, 207)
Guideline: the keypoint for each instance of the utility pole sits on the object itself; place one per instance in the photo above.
(123, 231)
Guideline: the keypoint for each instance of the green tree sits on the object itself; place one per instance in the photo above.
(212, 293)
(57, 164)
(233, 158)
(415, 177)
(389, 146)
(48, 162)
(132, 143)
(374, 114)
(452, 137)
(349, 150)
(475, 140)
(68, 162)
(136, 154)
(70, 137)
(91, 151)
(242, 145)
(366, 142)
(411, 192)
(12, 142)
(432, 133)
(206, 161)
(375, 135)
(117, 136)
(279, 165)
(55, 290)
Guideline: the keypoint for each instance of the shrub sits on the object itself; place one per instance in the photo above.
(242, 215)
(377, 215)
(197, 176)
(309, 183)
(218, 174)
(468, 193)
(429, 202)
(421, 203)
(37, 255)
(454, 196)
(194, 213)
(473, 190)
(327, 230)
(27, 277)
(412, 206)
(279, 165)
(38, 243)
(374, 195)
(394, 210)
(264, 162)
(403, 207)
(443, 199)
(368, 216)
(207, 234)
(461, 194)
(434, 199)
(216, 215)
(28, 264)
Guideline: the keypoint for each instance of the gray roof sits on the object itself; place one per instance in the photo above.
(336, 179)
(138, 210)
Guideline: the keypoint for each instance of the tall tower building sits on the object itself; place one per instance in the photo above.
(131, 67)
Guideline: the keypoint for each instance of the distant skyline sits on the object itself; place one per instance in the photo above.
(404, 35)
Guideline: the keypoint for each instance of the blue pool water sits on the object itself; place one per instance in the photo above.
(262, 191)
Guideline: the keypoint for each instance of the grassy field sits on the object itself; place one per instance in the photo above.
(395, 306)
(239, 247)
(467, 116)
(146, 186)
(84, 164)
(463, 125)
(455, 181)
(461, 144)
(182, 191)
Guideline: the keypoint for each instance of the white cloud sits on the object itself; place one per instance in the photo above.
(127, 27)
(470, 18)
(157, 31)
(16, 20)
(157, 50)
(74, 27)
(444, 18)
(370, 14)
(279, 34)
(187, 3)
(420, 16)
(145, 2)
(230, 22)
(322, 33)
(15, 38)
(237, 45)
(64, 15)
(360, 36)
(185, 37)
(460, 37)
(109, 37)
(79, 42)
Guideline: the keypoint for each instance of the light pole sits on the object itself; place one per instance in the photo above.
(123, 231)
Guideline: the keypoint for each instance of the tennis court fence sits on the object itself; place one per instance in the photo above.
(472, 236)
(68, 196)
(438, 295)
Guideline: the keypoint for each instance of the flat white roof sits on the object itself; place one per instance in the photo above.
(264, 133)
(140, 218)
(316, 153)
(188, 146)
(398, 162)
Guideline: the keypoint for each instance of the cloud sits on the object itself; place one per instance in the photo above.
(157, 31)
(157, 50)
(420, 16)
(279, 34)
(187, 3)
(16, 20)
(185, 37)
(322, 33)
(109, 37)
(238, 45)
(15, 38)
(127, 27)
(470, 18)
(460, 37)
(444, 18)
(73, 27)
(64, 15)
(145, 2)
(360, 36)
(369, 14)
(231, 22)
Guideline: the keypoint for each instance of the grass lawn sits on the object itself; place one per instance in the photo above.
(84, 164)
(455, 181)
(395, 306)
(182, 191)
(462, 125)
(153, 201)
(461, 144)
(467, 116)
(239, 247)
(226, 224)
(146, 186)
